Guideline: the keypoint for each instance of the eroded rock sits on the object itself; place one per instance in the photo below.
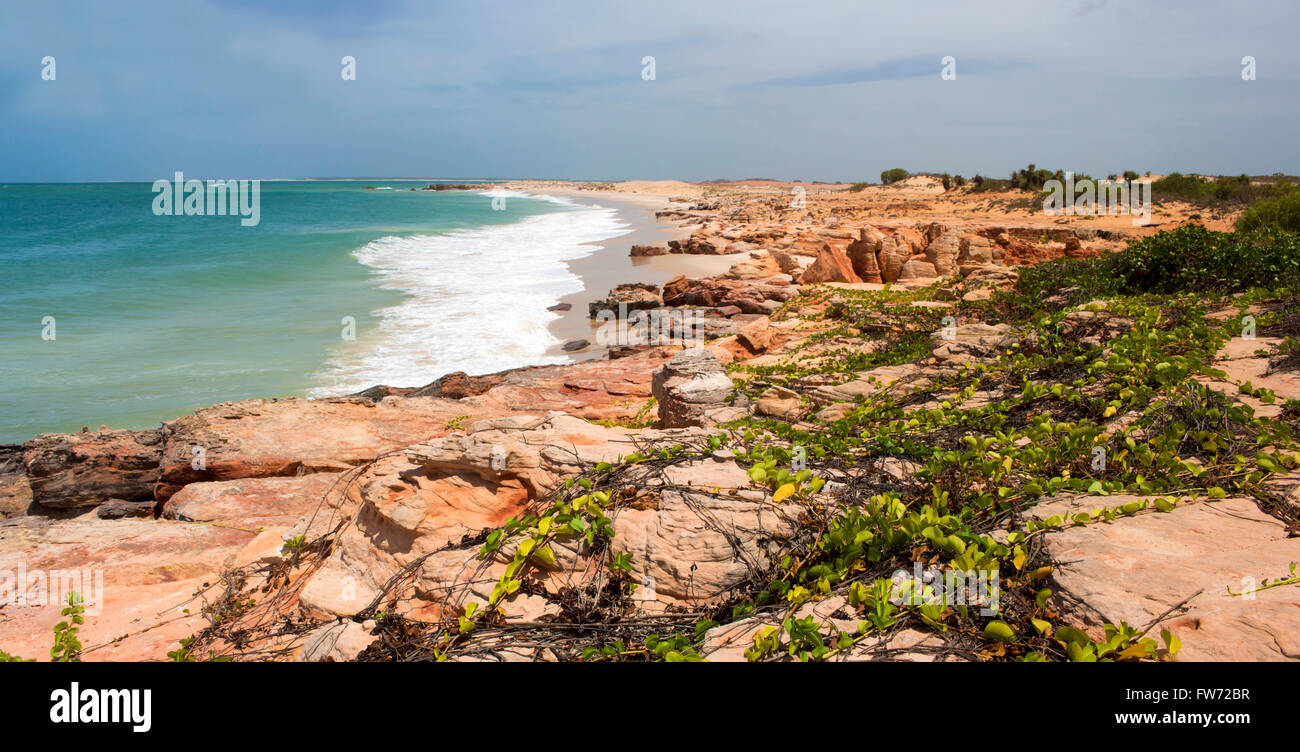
(1135, 568)
(690, 385)
(68, 470)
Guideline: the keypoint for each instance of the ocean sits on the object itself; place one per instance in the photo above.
(112, 315)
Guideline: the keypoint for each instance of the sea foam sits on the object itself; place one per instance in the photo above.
(476, 300)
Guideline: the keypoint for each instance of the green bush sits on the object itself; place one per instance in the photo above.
(1033, 179)
(894, 175)
(1178, 185)
(1223, 189)
(1276, 213)
(1188, 259)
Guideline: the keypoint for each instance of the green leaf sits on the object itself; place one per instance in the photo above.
(545, 555)
(998, 631)
(1172, 643)
(1071, 636)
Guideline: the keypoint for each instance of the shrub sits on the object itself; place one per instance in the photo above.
(1277, 213)
(1188, 259)
(1223, 189)
(1033, 179)
(981, 184)
(894, 175)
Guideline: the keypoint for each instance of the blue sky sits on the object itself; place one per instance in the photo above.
(832, 90)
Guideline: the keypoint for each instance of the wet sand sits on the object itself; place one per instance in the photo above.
(612, 266)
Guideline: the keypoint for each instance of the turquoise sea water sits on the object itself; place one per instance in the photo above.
(157, 315)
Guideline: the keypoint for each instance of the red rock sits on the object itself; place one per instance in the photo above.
(626, 298)
(895, 250)
(942, 251)
(263, 438)
(15, 491)
(756, 335)
(458, 385)
(697, 244)
(252, 502)
(917, 268)
(136, 576)
(831, 265)
(1136, 568)
(689, 386)
(863, 253)
(749, 297)
(88, 469)
(116, 509)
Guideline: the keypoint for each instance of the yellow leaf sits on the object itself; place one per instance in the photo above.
(545, 555)
(783, 492)
(1134, 652)
(1109, 412)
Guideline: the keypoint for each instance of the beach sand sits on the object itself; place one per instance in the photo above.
(612, 266)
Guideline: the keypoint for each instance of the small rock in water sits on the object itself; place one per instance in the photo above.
(561, 307)
(574, 345)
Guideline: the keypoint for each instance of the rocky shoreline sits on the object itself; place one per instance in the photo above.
(322, 504)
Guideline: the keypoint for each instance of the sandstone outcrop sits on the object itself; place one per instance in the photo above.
(965, 343)
(634, 296)
(264, 438)
(686, 545)
(690, 386)
(250, 502)
(757, 266)
(697, 244)
(832, 265)
(721, 292)
(15, 489)
(865, 252)
(87, 469)
(917, 269)
(335, 643)
(1136, 568)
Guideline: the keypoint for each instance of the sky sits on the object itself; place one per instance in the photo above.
(834, 90)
